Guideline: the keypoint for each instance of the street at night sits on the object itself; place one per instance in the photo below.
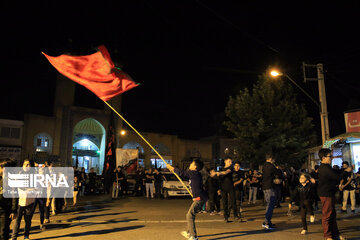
(146, 114)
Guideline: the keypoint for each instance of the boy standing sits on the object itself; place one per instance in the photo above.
(199, 195)
(238, 179)
(306, 195)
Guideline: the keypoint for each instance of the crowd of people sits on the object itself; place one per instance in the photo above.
(231, 186)
(218, 192)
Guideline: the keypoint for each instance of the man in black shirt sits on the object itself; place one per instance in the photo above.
(269, 171)
(328, 180)
(227, 190)
(348, 185)
(238, 179)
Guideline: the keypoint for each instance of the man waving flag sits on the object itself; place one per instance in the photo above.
(98, 73)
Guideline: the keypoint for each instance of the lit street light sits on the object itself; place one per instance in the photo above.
(276, 73)
(122, 132)
(322, 97)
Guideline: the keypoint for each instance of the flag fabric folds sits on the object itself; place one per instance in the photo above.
(96, 72)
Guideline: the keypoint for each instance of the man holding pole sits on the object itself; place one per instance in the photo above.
(199, 195)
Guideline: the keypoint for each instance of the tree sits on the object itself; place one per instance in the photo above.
(268, 119)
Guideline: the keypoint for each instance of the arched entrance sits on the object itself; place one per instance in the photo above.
(89, 145)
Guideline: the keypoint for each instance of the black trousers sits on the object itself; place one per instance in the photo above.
(214, 201)
(4, 224)
(228, 196)
(42, 203)
(27, 213)
(278, 190)
(157, 189)
(238, 200)
(306, 206)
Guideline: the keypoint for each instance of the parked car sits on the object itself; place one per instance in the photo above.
(173, 187)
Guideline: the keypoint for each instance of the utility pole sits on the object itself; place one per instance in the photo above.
(325, 133)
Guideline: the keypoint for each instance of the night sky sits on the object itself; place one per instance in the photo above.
(189, 56)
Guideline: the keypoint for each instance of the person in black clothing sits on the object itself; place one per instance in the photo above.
(8, 206)
(213, 189)
(158, 178)
(269, 171)
(83, 180)
(149, 177)
(348, 185)
(92, 181)
(123, 181)
(254, 181)
(305, 194)
(139, 184)
(329, 178)
(315, 175)
(199, 195)
(227, 190)
(41, 202)
(278, 186)
(238, 177)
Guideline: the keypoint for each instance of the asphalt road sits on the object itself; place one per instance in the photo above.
(138, 218)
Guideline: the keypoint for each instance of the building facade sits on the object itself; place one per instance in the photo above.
(77, 136)
(11, 132)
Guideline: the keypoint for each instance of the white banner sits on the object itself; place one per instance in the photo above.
(124, 156)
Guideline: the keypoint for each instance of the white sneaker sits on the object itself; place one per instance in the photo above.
(185, 234)
(312, 218)
(303, 232)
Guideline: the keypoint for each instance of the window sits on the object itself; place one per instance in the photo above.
(15, 133)
(7, 132)
(158, 163)
(42, 142)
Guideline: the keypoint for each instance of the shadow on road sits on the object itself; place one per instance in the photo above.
(95, 232)
(232, 234)
(280, 226)
(79, 218)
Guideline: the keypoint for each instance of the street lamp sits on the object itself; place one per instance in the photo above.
(323, 107)
(275, 73)
(122, 132)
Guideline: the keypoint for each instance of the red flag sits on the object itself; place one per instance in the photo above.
(96, 72)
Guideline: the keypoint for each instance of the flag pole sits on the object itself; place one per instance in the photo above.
(147, 144)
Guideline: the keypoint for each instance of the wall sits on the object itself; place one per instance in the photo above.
(33, 125)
